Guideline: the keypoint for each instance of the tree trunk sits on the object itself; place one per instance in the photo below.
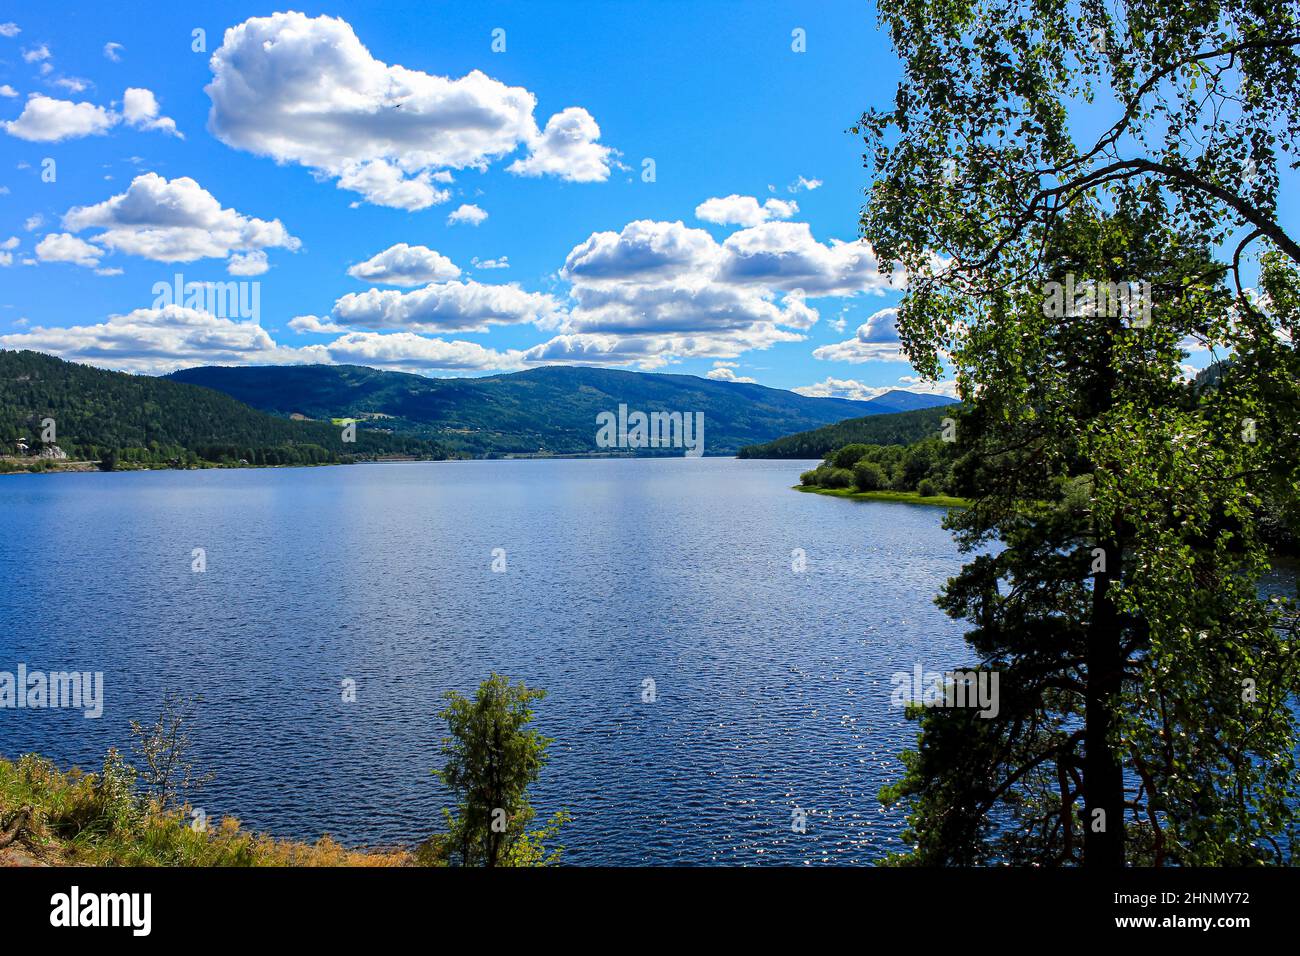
(1103, 775)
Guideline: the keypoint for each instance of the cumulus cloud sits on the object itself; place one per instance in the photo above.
(9, 29)
(316, 324)
(36, 54)
(500, 262)
(405, 265)
(744, 210)
(466, 212)
(404, 350)
(384, 184)
(247, 263)
(63, 247)
(785, 255)
(841, 388)
(875, 340)
(726, 372)
(467, 306)
(677, 290)
(8, 91)
(644, 251)
(307, 91)
(113, 51)
(176, 221)
(803, 183)
(160, 340)
(48, 120)
(156, 341)
(914, 383)
(567, 148)
(140, 109)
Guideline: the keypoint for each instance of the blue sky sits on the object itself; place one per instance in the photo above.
(301, 146)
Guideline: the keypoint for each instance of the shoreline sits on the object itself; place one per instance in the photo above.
(898, 497)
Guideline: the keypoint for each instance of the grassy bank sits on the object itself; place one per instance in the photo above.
(906, 497)
(98, 819)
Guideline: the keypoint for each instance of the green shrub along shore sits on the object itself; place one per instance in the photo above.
(921, 472)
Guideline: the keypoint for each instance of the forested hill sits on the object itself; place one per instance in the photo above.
(902, 428)
(544, 410)
(152, 420)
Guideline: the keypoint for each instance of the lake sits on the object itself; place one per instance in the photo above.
(771, 685)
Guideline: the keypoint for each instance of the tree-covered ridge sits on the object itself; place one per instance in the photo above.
(549, 410)
(898, 428)
(113, 416)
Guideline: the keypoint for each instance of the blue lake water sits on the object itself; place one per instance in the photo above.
(772, 686)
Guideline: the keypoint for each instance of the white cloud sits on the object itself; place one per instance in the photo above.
(161, 340)
(676, 290)
(405, 265)
(47, 120)
(113, 51)
(567, 148)
(140, 109)
(8, 91)
(725, 372)
(9, 29)
(841, 388)
(175, 221)
(500, 262)
(247, 263)
(64, 247)
(307, 91)
(33, 222)
(11, 243)
(744, 210)
(918, 385)
(384, 184)
(467, 306)
(73, 84)
(467, 212)
(314, 323)
(802, 183)
(156, 341)
(36, 54)
(785, 255)
(404, 350)
(875, 341)
(643, 251)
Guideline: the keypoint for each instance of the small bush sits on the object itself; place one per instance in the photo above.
(927, 488)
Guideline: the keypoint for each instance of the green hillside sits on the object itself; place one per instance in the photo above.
(902, 428)
(147, 420)
(548, 410)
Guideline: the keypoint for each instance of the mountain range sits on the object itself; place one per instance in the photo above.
(549, 410)
(93, 414)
